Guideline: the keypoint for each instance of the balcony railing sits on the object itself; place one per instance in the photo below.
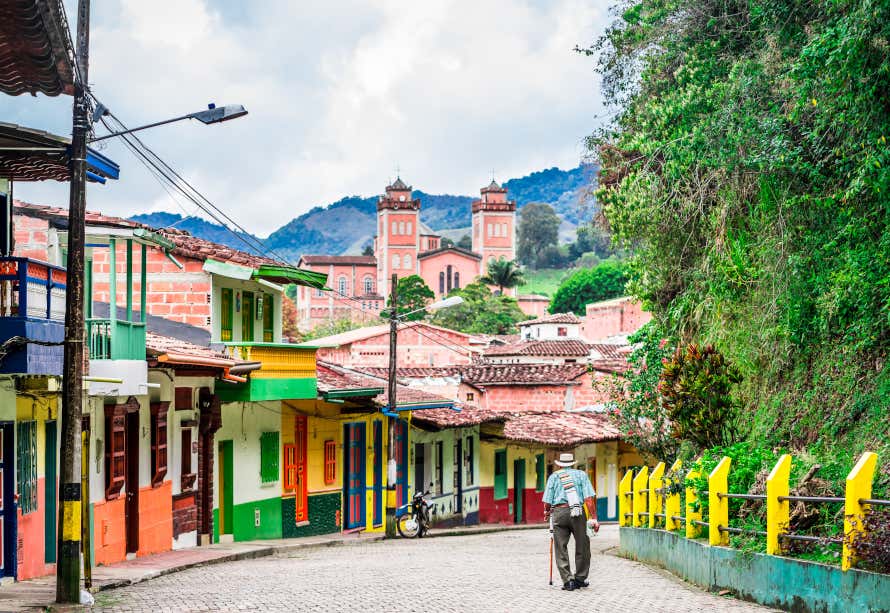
(115, 340)
(32, 306)
(29, 288)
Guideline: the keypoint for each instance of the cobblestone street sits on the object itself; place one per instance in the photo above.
(505, 571)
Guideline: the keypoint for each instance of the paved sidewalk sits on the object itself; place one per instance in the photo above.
(40, 593)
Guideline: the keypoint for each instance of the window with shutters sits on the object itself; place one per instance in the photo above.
(226, 314)
(158, 442)
(269, 457)
(500, 474)
(290, 467)
(26, 465)
(115, 450)
(187, 481)
(268, 319)
(330, 462)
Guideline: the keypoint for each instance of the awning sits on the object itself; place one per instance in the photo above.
(418, 406)
(36, 54)
(27, 154)
(283, 275)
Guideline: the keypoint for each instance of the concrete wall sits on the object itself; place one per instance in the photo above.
(613, 318)
(785, 583)
(541, 332)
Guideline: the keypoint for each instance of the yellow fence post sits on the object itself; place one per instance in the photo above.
(624, 498)
(640, 483)
(672, 500)
(859, 483)
(777, 511)
(656, 499)
(718, 503)
(693, 530)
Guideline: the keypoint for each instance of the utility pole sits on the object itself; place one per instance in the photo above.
(391, 473)
(68, 567)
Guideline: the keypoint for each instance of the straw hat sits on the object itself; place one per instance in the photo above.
(566, 459)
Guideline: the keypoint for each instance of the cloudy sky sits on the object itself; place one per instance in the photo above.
(340, 94)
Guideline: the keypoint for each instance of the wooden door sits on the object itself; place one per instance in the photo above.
(458, 475)
(49, 497)
(518, 489)
(247, 317)
(354, 483)
(400, 436)
(378, 473)
(301, 478)
(131, 508)
(8, 518)
(226, 496)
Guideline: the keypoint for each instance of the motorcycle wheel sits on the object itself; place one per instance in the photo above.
(408, 526)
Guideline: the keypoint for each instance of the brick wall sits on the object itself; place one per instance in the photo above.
(431, 348)
(181, 295)
(185, 514)
(31, 237)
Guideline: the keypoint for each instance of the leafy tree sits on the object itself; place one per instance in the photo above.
(289, 319)
(589, 285)
(465, 242)
(504, 274)
(538, 230)
(413, 295)
(446, 242)
(335, 326)
(368, 250)
(481, 312)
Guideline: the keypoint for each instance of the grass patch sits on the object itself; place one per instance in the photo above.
(544, 281)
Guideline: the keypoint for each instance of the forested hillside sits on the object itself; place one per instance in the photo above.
(748, 171)
(349, 222)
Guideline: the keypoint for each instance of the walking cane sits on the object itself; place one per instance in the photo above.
(551, 550)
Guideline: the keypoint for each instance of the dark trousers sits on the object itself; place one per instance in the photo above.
(564, 526)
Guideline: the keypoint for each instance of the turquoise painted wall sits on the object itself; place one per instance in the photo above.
(784, 583)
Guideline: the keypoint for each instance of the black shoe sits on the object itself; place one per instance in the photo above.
(570, 585)
(580, 584)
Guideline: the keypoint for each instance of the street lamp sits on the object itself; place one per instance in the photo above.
(392, 467)
(213, 114)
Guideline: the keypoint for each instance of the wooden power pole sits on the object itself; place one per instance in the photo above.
(391, 473)
(68, 566)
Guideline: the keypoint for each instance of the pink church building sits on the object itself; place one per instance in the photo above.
(405, 246)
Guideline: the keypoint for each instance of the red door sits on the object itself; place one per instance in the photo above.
(302, 490)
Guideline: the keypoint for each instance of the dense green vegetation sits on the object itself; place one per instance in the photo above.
(587, 285)
(482, 312)
(543, 281)
(413, 294)
(747, 170)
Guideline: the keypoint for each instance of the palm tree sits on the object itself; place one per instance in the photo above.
(503, 274)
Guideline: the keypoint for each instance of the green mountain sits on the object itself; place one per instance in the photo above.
(349, 223)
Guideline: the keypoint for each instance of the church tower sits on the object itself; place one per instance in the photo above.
(494, 226)
(398, 234)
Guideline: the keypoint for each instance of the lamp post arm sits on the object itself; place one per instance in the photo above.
(145, 127)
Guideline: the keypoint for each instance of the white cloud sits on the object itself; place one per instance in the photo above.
(338, 94)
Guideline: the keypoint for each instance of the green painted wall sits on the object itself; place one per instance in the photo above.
(322, 516)
(245, 528)
(215, 525)
(269, 389)
(784, 583)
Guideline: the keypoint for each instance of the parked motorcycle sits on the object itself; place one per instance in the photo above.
(413, 519)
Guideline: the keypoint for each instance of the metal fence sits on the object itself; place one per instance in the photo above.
(648, 500)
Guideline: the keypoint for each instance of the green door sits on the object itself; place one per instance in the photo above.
(247, 317)
(49, 485)
(225, 487)
(518, 489)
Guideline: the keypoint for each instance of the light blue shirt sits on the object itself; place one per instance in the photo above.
(555, 493)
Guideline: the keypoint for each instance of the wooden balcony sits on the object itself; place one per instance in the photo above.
(32, 308)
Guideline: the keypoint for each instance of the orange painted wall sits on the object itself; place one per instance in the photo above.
(430, 267)
(31, 540)
(155, 519)
(109, 534)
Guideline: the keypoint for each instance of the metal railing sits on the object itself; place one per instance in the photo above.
(641, 494)
(29, 288)
(115, 340)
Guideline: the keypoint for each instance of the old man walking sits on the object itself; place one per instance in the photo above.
(563, 496)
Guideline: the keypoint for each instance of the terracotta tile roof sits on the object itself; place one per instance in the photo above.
(610, 366)
(345, 260)
(360, 334)
(333, 377)
(557, 318)
(613, 352)
(560, 429)
(414, 372)
(568, 348)
(186, 245)
(469, 415)
(523, 374)
(182, 352)
(35, 49)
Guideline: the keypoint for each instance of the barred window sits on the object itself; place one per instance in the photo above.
(269, 457)
(26, 466)
(330, 462)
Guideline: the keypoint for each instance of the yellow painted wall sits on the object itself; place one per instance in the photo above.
(514, 452)
(39, 408)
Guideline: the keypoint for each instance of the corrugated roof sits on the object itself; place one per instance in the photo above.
(36, 55)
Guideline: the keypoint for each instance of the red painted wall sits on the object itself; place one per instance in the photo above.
(493, 511)
(155, 519)
(31, 545)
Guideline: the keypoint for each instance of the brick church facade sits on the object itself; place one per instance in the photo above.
(405, 246)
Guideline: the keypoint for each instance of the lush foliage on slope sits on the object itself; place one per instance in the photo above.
(588, 285)
(482, 312)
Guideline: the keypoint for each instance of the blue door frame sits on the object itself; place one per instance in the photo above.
(378, 472)
(401, 453)
(8, 514)
(355, 483)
